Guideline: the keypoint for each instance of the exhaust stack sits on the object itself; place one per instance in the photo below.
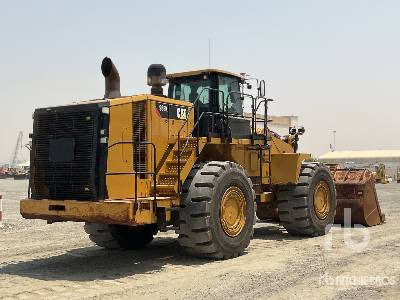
(111, 76)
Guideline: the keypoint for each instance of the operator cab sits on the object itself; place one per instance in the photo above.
(220, 105)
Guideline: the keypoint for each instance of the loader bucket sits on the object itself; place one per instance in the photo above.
(355, 189)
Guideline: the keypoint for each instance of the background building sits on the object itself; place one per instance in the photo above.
(279, 124)
(366, 159)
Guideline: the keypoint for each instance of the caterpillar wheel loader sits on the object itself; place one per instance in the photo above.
(189, 161)
(380, 174)
(398, 175)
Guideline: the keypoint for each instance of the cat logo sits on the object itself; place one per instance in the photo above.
(181, 113)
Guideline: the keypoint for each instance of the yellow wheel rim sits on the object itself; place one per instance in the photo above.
(322, 200)
(233, 211)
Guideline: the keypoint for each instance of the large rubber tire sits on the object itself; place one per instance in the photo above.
(296, 202)
(200, 231)
(120, 236)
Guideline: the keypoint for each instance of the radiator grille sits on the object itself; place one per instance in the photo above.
(139, 135)
(75, 176)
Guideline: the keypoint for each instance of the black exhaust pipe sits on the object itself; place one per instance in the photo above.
(111, 77)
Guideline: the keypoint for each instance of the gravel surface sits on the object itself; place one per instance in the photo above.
(40, 261)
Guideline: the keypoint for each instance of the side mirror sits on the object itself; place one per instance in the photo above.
(261, 89)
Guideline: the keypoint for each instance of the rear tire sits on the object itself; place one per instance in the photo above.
(298, 212)
(201, 232)
(120, 236)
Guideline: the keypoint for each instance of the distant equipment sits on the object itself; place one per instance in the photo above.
(17, 148)
(1, 211)
(398, 175)
(380, 174)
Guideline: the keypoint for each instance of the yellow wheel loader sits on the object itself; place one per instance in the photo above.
(398, 175)
(380, 174)
(189, 161)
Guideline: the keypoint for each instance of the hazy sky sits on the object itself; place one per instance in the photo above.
(335, 64)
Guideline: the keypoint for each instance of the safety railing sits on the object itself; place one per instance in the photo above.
(196, 104)
(224, 115)
(154, 173)
(254, 120)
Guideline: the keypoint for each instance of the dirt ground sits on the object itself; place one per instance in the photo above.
(58, 261)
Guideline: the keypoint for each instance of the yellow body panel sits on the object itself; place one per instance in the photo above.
(112, 212)
(285, 167)
(158, 130)
(120, 157)
(109, 211)
(285, 164)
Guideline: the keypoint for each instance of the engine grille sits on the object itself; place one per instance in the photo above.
(139, 135)
(63, 162)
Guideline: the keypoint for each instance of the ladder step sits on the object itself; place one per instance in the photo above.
(164, 187)
(184, 152)
(175, 161)
(262, 121)
(168, 175)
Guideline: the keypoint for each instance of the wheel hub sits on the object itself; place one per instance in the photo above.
(322, 200)
(233, 211)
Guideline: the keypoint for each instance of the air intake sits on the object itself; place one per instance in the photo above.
(139, 135)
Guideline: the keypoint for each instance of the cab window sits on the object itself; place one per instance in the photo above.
(230, 98)
(189, 89)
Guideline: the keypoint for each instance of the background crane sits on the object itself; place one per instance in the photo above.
(18, 147)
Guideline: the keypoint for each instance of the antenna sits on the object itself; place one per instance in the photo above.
(209, 53)
(334, 140)
(333, 145)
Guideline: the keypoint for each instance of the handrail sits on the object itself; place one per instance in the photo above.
(239, 93)
(204, 113)
(195, 103)
(196, 124)
(254, 107)
(253, 104)
(190, 110)
(265, 121)
(154, 173)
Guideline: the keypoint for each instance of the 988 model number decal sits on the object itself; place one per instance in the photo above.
(171, 111)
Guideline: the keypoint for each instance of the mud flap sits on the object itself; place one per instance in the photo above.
(355, 189)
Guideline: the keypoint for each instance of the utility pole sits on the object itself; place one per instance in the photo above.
(334, 140)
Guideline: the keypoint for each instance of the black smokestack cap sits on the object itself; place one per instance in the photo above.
(111, 76)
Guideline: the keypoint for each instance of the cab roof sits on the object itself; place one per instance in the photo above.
(203, 71)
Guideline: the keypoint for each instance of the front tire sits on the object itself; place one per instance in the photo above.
(309, 207)
(217, 217)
